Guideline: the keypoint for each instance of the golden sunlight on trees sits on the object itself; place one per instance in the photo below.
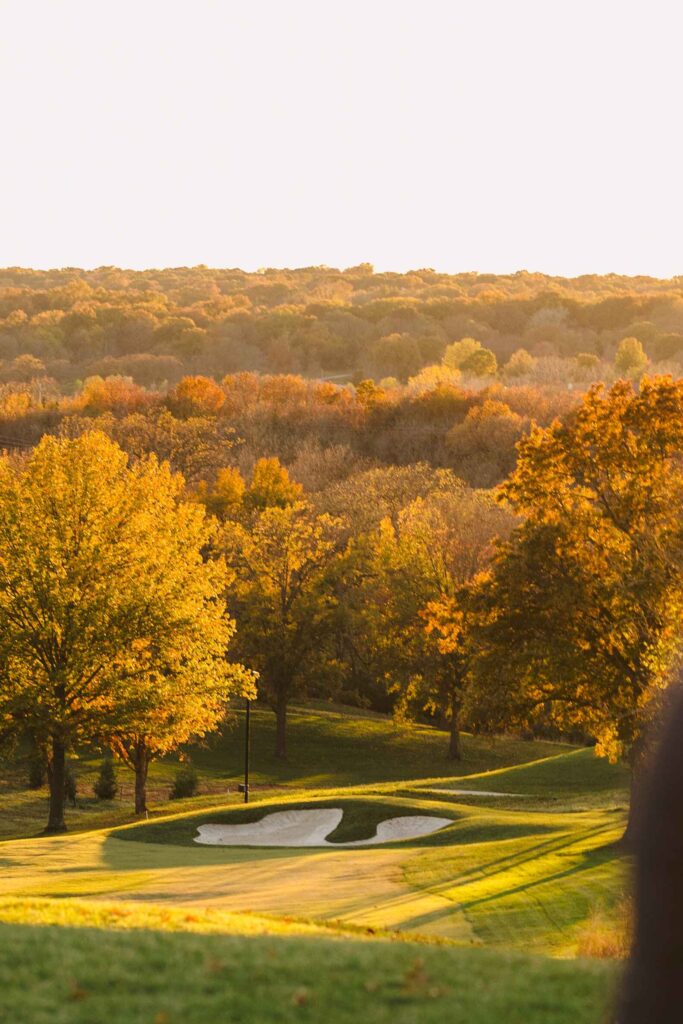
(271, 486)
(109, 617)
(281, 597)
(631, 359)
(470, 357)
(581, 614)
(412, 575)
(195, 396)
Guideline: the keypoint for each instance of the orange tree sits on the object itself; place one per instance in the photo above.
(579, 618)
(412, 575)
(108, 613)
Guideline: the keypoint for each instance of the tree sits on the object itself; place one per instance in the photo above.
(631, 358)
(483, 446)
(196, 396)
(580, 616)
(271, 486)
(435, 376)
(470, 357)
(282, 597)
(520, 364)
(227, 494)
(104, 596)
(106, 786)
(458, 352)
(411, 611)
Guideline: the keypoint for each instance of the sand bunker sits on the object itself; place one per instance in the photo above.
(311, 828)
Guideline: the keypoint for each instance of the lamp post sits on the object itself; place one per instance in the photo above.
(246, 752)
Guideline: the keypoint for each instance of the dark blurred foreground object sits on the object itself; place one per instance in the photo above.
(653, 986)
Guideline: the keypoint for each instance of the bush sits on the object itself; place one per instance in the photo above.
(70, 785)
(186, 782)
(106, 786)
(37, 772)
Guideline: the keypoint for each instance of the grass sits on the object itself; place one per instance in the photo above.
(360, 820)
(75, 975)
(328, 747)
(383, 932)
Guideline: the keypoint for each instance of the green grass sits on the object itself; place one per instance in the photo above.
(322, 933)
(360, 820)
(71, 975)
(328, 747)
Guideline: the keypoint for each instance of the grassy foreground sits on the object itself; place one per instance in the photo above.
(127, 921)
(51, 975)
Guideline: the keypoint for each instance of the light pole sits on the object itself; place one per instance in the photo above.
(246, 753)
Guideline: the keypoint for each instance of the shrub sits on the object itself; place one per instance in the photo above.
(37, 772)
(186, 782)
(70, 785)
(106, 786)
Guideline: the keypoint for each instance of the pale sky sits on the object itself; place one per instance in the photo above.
(489, 135)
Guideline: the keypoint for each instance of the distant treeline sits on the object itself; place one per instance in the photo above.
(159, 325)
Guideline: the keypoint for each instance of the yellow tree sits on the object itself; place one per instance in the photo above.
(282, 597)
(581, 615)
(412, 610)
(104, 598)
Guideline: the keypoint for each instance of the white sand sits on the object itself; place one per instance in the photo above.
(311, 828)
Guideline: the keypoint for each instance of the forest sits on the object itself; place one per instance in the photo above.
(473, 542)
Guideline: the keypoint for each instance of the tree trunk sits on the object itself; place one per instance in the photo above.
(454, 747)
(141, 761)
(56, 777)
(635, 806)
(281, 727)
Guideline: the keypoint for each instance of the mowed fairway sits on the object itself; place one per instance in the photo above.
(526, 871)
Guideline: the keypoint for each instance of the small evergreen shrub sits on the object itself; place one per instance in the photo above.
(70, 785)
(37, 772)
(106, 786)
(186, 782)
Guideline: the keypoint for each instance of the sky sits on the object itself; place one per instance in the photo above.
(485, 135)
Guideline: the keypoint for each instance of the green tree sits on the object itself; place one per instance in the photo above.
(103, 595)
(470, 357)
(631, 358)
(106, 786)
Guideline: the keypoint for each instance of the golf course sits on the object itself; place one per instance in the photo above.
(510, 907)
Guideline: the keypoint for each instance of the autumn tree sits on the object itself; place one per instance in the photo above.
(520, 364)
(271, 486)
(470, 357)
(281, 597)
(196, 396)
(410, 614)
(104, 597)
(580, 616)
(631, 358)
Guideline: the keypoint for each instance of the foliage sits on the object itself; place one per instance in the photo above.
(411, 582)
(106, 787)
(186, 781)
(107, 610)
(281, 595)
(580, 616)
(630, 359)
(70, 784)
